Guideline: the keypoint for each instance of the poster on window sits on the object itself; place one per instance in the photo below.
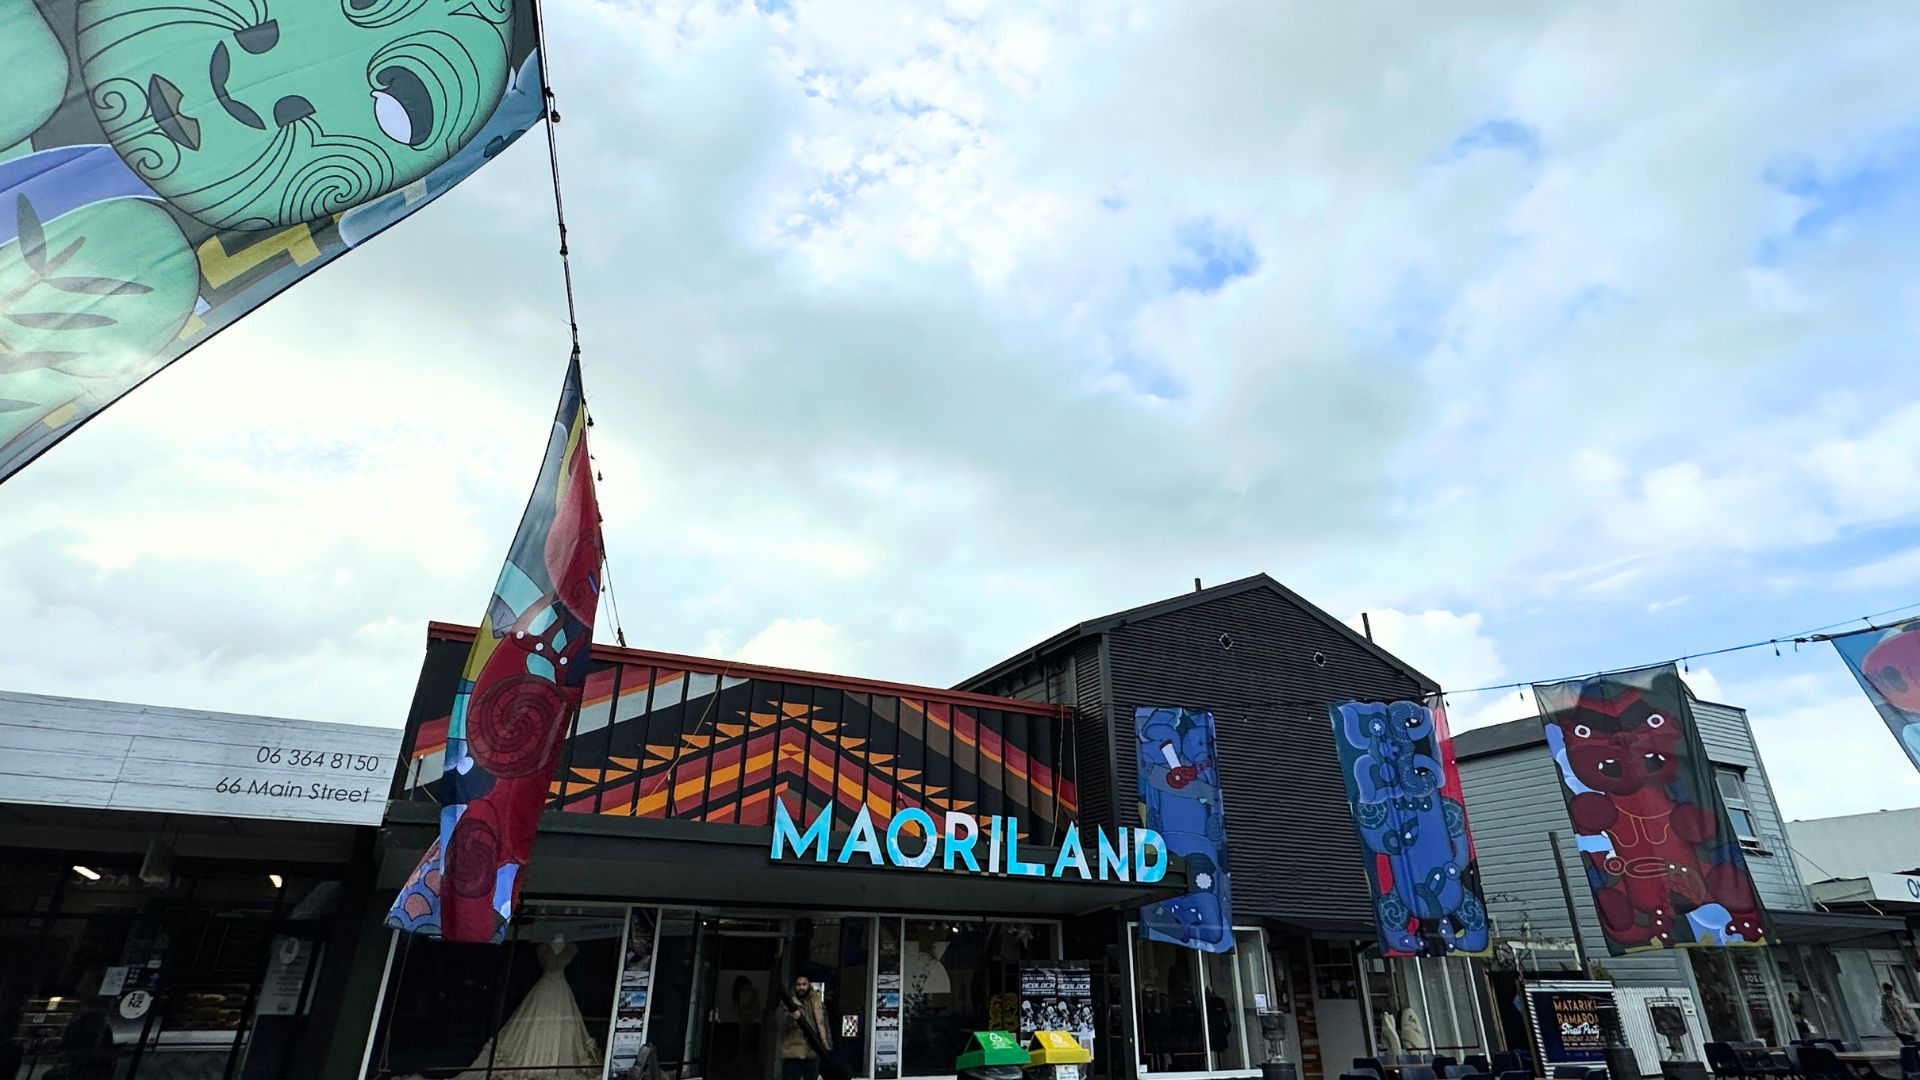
(1057, 995)
(630, 1003)
(1567, 1023)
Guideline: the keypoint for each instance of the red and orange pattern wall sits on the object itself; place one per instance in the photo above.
(662, 736)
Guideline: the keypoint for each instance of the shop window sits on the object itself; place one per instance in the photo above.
(185, 976)
(1262, 1013)
(1736, 993)
(962, 977)
(1733, 792)
(1203, 1012)
(839, 964)
(1166, 980)
(541, 1001)
(1423, 1005)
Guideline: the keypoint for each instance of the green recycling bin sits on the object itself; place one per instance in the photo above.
(991, 1055)
(1057, 1055)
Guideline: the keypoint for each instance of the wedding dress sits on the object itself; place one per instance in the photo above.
(545, 1038)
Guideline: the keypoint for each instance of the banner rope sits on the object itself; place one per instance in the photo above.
(552, 119)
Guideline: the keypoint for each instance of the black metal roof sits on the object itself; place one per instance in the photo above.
(1257, 582)
(1499, 738)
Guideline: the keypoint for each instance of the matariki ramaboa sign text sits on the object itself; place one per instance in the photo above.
(962, 843)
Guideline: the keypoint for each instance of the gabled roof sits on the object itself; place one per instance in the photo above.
(1255, 583)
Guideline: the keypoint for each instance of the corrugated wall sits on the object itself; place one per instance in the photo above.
(1090, 735)
(1513, 801)
(1289, 831)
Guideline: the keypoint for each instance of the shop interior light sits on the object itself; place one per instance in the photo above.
(275, 878)
(87, 872)
(54, 1002)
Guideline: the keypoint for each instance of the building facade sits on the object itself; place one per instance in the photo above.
(1266, 663)
(183, 894)
(713, 830)
(1537, 892)
(1867, 864)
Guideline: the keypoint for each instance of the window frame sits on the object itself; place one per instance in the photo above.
(1237, 1007)
(1741, 799)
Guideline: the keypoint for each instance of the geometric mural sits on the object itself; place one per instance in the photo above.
(658, 737)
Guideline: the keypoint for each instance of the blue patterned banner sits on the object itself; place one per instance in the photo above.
(1180, 797)
(1887, 663)
(1411, 815)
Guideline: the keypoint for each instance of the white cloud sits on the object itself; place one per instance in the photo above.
(908, 349)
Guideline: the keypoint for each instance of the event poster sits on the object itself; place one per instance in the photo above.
(886, 1002)
(1057, 995)
(1662, 859)
(1411, 816)
(630, 1000)
(1568, 1023)
(1180, 799)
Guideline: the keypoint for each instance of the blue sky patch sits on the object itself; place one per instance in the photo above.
(1212, 255)
(1498, 134)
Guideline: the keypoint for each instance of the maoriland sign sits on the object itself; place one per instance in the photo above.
(962, 843)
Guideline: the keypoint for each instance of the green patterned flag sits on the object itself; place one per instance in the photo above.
(167, 166)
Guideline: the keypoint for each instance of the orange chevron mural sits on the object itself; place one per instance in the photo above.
(664, 736)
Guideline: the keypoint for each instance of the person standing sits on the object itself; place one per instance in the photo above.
(1896, 1013)
(803, 1032)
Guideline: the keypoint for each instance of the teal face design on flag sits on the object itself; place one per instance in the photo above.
(166, 166)
(1886, 662)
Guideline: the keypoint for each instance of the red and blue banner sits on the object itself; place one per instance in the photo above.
(522, 681)
(1664, 864)
(1180, 798)
(1411, 814)
(1886, 660)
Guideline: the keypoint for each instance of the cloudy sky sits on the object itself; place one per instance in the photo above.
(1556, 338)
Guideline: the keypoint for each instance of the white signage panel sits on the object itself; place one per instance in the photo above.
(70, 752)
(1895, 888)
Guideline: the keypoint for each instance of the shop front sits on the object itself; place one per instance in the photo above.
(180, 893)
(720, 832)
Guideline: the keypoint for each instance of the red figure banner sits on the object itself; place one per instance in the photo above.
(1662, 859)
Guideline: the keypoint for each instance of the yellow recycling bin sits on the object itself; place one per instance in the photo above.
(1056, 1055)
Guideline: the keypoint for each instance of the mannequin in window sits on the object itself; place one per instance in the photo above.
(1413, 1033)
(545, 1038)
(1390, 1047)
(1219, 1022)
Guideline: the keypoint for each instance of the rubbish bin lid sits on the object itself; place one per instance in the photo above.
(991, 1048)
(1057, 1048)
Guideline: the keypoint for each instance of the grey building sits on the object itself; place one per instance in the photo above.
(1777, 993)
(1867, 864)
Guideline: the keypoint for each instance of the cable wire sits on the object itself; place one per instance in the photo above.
(552, 119)
(1800, 638)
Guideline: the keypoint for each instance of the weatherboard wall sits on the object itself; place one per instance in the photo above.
(1729, 740)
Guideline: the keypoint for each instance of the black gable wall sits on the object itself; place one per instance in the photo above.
(1290, 835)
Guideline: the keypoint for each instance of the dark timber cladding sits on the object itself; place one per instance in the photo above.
(1266, 663)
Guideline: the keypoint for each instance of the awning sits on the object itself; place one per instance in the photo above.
(1832, 927)
(707, 864)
